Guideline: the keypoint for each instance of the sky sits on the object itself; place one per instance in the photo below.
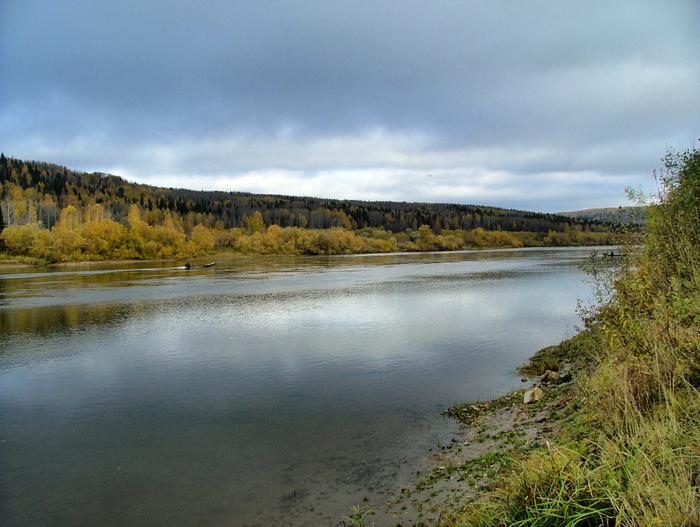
(546, 106)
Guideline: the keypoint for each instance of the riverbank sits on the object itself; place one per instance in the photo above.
(494, 436)
(22, 256)
(18, 262)
(616, 441)
(612, 440)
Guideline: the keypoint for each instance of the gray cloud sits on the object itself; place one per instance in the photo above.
(539, 105)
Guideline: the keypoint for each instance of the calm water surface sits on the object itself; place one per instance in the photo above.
(262, 391)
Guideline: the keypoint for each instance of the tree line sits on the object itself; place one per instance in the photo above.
(48, 188)
(56, 214)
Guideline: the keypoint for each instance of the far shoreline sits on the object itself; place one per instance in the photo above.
(8, 261)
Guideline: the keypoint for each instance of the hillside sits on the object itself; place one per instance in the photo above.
(610, 215)
(49, 213)
(48, 188)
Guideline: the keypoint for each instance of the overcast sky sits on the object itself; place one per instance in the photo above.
(537, 105)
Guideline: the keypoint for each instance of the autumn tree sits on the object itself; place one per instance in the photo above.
(255, 223)
(27, 240)
(202, 238)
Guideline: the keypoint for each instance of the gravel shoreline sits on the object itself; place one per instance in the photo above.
(492, 435)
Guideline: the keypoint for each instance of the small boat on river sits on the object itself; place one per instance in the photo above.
(188, 266)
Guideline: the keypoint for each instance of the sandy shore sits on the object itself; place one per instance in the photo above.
(491, 434)
(459, 471)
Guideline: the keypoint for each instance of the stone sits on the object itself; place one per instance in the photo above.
(550, 377)
(532, 396)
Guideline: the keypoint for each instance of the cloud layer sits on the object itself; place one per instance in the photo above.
(535, 105)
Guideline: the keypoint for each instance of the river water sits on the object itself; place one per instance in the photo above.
(260, 391)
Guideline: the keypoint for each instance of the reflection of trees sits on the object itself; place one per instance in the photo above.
(52, 322)
(47, 321)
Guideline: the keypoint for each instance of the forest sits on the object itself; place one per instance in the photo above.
(51, 213)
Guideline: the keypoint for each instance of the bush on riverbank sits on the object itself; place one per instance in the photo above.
(630, 455)
(91, 235)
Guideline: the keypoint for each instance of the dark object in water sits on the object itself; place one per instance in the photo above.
(188, 266)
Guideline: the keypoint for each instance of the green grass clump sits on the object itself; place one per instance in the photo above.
(555, 488)
(631, 454)
(357, 518)
(582, 349)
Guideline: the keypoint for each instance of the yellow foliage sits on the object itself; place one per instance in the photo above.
(22, 240)
(89, 234)
(69, 219)
(202, 238)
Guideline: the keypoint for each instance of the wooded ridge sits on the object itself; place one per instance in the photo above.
(47, 188)
(51, 213)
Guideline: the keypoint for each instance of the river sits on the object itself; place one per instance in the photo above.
(260, 391)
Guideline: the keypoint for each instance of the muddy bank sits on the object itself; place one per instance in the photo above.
(485, 442)
(493, 435)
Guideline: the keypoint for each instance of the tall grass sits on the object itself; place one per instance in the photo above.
(632, 456)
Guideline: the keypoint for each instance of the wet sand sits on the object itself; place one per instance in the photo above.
(459, 470)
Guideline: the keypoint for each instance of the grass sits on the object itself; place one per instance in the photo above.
(8, 259)
(357, 518)
(629, 453)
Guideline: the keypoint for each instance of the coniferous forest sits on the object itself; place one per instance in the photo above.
(51, 213)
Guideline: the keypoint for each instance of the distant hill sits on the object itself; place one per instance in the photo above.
(611, 215)
(33, 191)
